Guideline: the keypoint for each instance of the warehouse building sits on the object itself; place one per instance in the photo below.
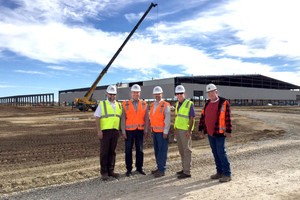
(245, 90)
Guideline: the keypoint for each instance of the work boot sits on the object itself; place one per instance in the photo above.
(183, 175)
(141, 171)
(128, 173)
(113, 174)
(216, 176)
(105, 176)
(225, 179)
(154, 171)
(158, 174)
(180, 172)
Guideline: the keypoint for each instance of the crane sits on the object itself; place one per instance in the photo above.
(87, 102)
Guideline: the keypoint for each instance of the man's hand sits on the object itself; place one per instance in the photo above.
(100, 134)
(146, 135)
(124, 136)
(227, 134)
(201, 135)
(165, 136)
(188, 134)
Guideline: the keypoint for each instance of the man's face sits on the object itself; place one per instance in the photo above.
(180, 96)
(111, 97)
(213, 95)
(135, 95)
(158, 97)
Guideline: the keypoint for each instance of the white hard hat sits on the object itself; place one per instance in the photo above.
(179, 89)
(210, 87)
(136, 88)
(157, 90)
(111, 89)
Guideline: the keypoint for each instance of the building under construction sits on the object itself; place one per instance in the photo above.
(245, 90)
(29, 100)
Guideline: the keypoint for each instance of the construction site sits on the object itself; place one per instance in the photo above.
(48, 146)
(51, 151)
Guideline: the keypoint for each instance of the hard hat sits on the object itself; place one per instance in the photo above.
(179, 89)
(111, 89)
(210, 87)
(136, 88)
(157, 90)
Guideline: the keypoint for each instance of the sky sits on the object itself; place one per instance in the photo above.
(52, 45)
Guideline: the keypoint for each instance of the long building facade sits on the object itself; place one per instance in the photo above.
(238, 89)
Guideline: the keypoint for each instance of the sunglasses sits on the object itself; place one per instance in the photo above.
(112, 94)
(179, 93)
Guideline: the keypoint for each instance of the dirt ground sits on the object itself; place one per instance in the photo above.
(42, 146)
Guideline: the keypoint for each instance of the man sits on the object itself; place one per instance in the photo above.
(216, 121)
(160, 125)
(135, 125)
(183, 127)
(108, 115)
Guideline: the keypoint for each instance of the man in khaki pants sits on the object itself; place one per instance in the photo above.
(183, 127)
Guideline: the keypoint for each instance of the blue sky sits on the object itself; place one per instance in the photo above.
(52, 45)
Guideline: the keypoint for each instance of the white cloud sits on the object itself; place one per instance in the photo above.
(7, 86)
(29, 72)
(57, 68)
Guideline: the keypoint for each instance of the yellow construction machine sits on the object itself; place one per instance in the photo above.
(87, 102)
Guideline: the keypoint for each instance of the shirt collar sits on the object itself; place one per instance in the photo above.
(215, 100)
(157, 102)
(132, 100)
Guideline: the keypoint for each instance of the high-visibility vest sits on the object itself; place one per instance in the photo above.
(110, 119)
(222, 122)
(157, 119)
(134, 119)
(182, 118)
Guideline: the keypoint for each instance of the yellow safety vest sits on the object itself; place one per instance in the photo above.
(182, 118)
(110, 119)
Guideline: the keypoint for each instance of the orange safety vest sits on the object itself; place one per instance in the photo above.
(157, 119)
(134, 119)
(222, 123)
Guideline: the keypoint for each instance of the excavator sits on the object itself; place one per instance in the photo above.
(88, 102)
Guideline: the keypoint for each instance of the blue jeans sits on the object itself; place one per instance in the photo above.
(217, 145)
(161, 151)
(137, 137)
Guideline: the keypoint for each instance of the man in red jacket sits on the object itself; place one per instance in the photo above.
(216, 121)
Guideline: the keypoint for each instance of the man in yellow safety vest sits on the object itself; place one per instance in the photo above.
(183, 127)
(108, 115)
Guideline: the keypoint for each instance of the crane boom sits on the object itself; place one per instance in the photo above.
(84, 103)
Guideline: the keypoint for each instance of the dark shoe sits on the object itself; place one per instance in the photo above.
(180, 172)
(158, 174)
(154, 171)
(105, 176)
(216, 176)
(225, 179)
(113, 174)
(183, 175)
(141, 171)
(128, 173)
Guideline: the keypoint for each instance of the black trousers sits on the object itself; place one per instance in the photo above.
(136, 137)
(108, 146)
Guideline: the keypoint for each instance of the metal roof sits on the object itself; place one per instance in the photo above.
(248, 80)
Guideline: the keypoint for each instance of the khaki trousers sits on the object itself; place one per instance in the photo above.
(185, 150)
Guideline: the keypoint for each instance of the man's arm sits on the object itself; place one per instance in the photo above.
(167, 114)
(146, 118)
(228, 120)
(100, 133)
(123, 120)
(191, 121)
